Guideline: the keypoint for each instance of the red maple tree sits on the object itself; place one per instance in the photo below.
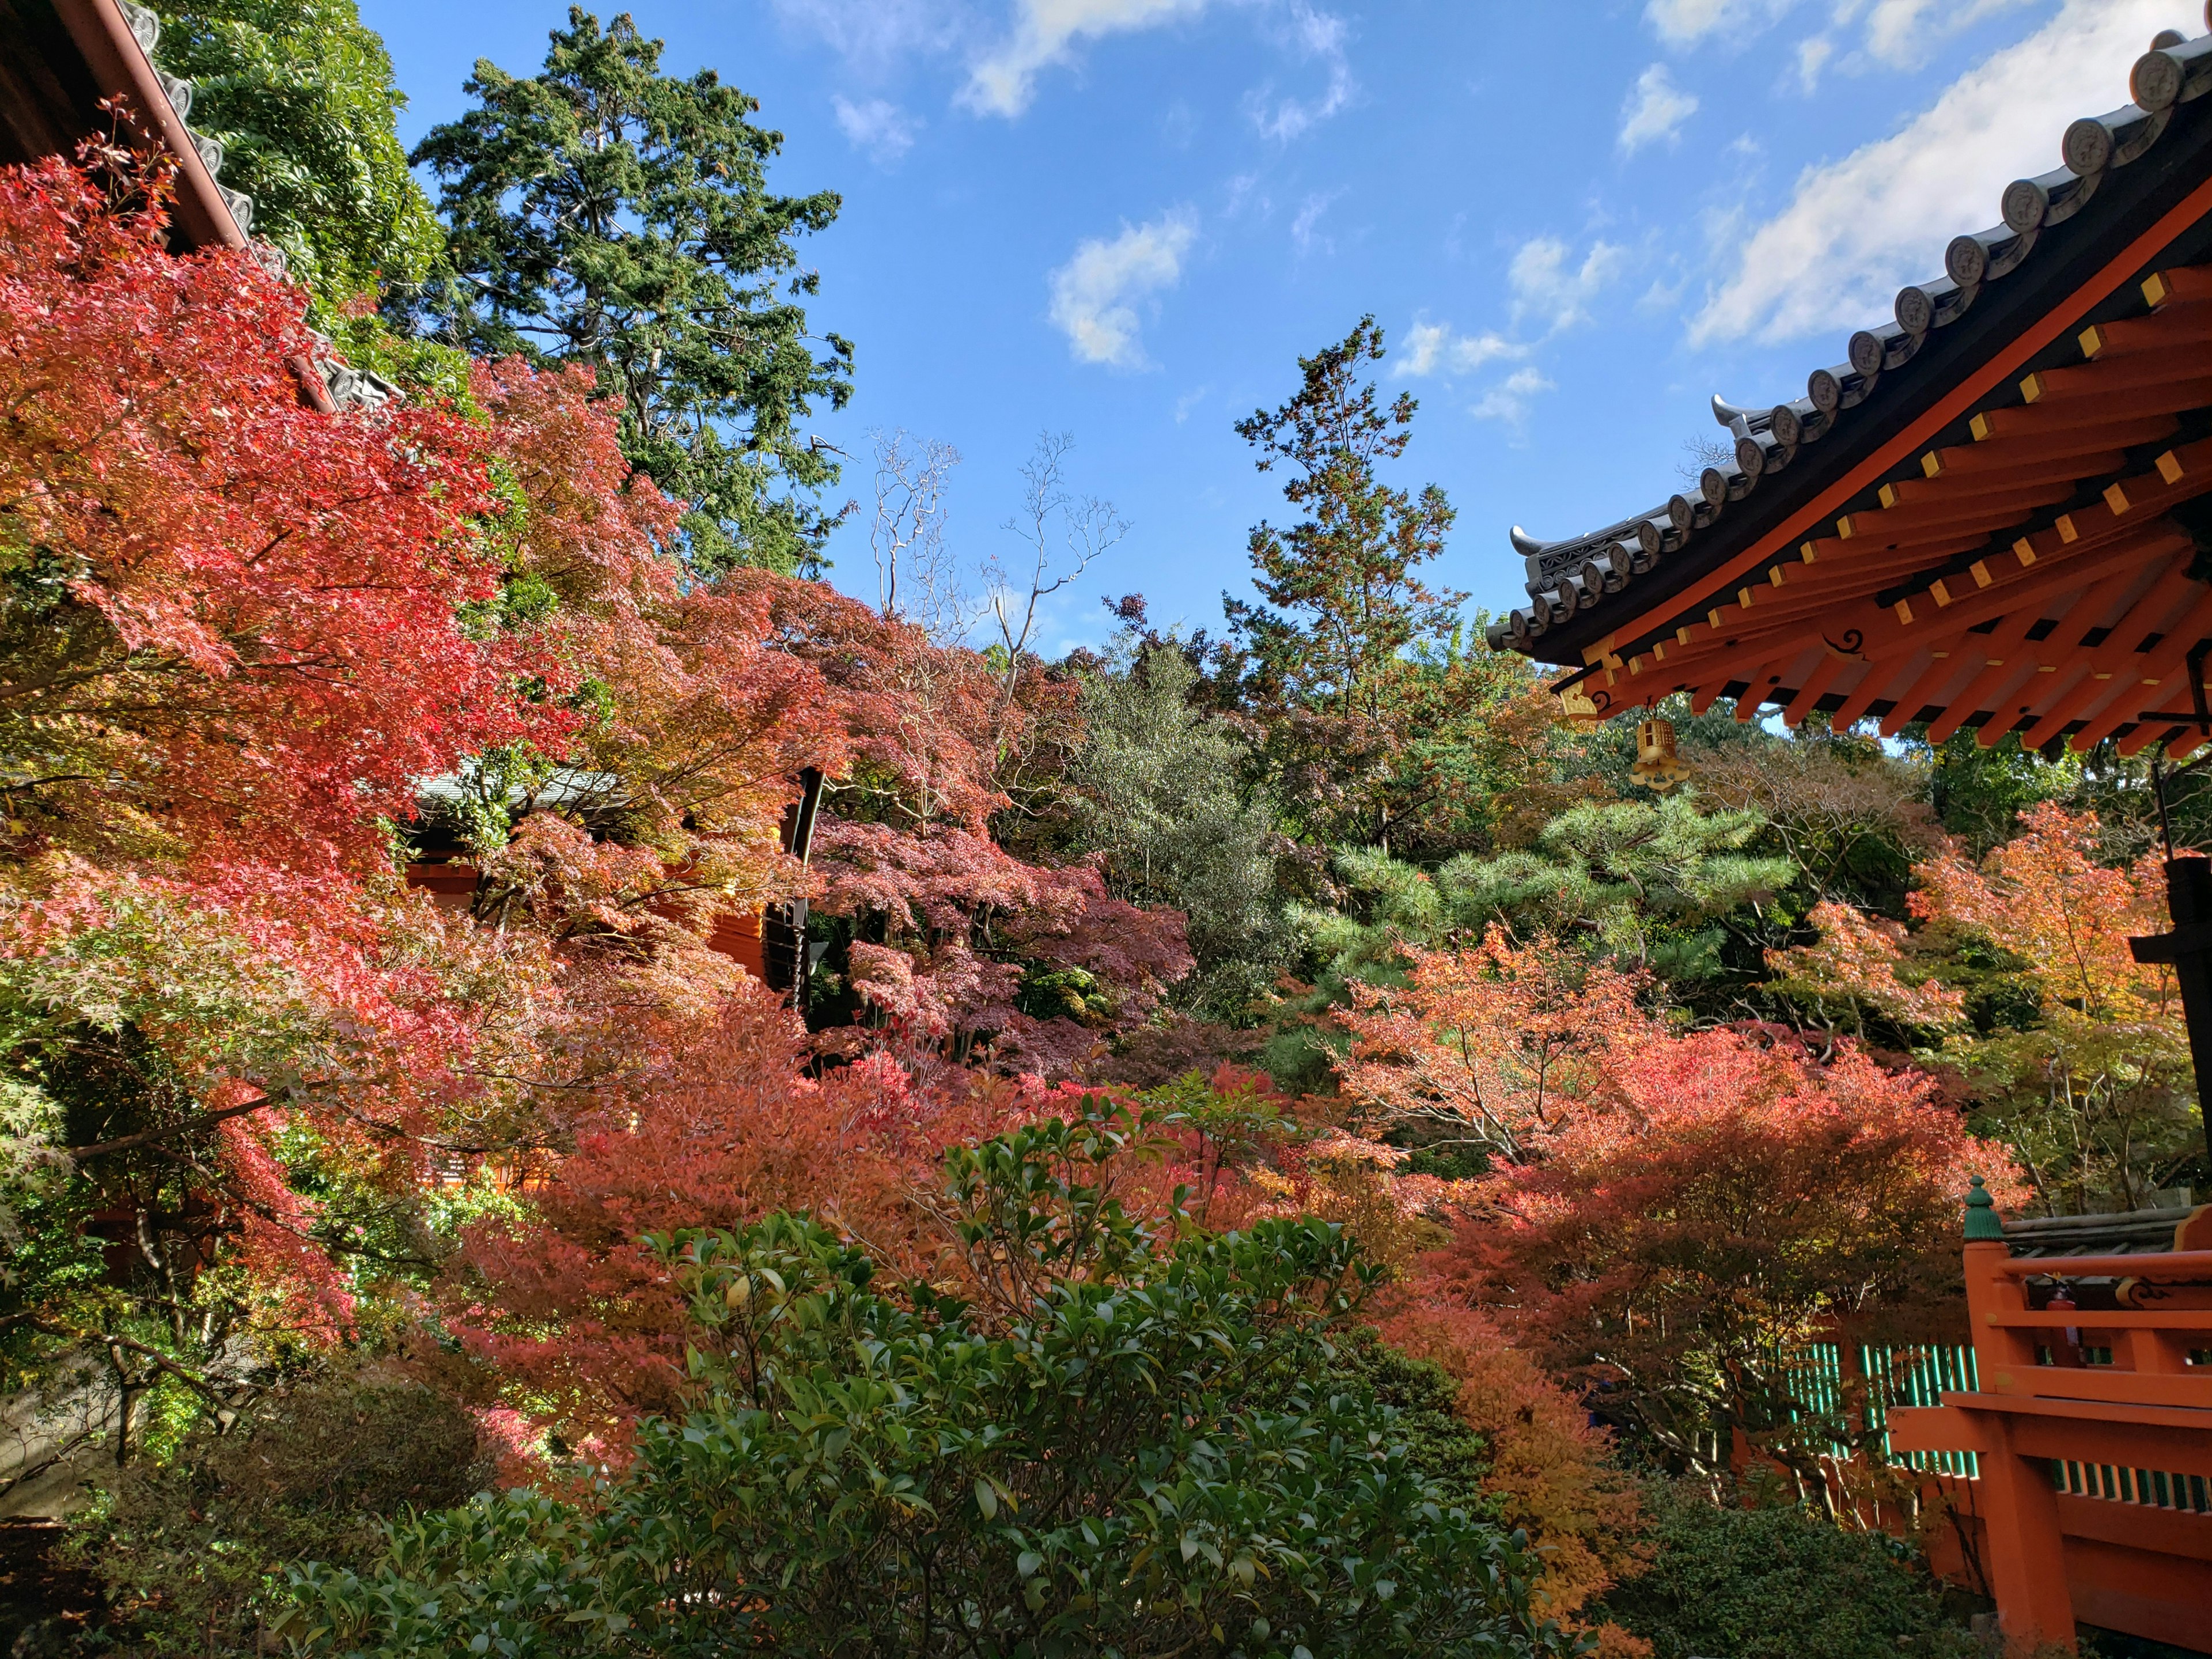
(1722, 1200)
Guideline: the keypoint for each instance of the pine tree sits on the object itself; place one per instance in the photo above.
(1330, 650)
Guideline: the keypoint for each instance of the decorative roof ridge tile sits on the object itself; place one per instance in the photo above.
(1571, 575)
(345, 384)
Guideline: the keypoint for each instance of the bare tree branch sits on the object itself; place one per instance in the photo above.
(148, 1137)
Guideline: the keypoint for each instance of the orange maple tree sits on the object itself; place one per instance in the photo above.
(1725, 1199)
(1493, 1046)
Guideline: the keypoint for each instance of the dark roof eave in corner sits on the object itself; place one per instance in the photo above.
(122, 67)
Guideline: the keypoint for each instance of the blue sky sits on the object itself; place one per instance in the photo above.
(1126, 219)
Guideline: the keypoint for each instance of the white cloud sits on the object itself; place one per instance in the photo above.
(1899, 32)
(1093, 295)
(1545, 289)
(1655, 108)
(1902, 32)
(1318, 35)
(1430, 346)
(1508, 401)
(874, 35)
(879, 127)
(1812, 56)
(1552, 291)
(1856, 230)
(1683, 22)
(1305, 230)
(1046, 33)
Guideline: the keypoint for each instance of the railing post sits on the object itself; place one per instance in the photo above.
(2020, 1506)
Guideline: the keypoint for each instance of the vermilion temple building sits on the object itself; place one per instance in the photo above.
(1994, 515)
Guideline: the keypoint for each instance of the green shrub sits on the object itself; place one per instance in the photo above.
(189, 1549)
(1776, 1583)
(1130, 1443)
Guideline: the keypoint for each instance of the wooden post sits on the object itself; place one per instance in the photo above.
(2020, 1506)
(2027, 1551)
(2188, 948)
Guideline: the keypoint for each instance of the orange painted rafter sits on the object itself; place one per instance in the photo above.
(2012, 658)
(1883, 634)
(2091, 379)
(1813, 617)
(2048, 415)
(2073, 689)
(2002, 664)
(1846, 569)
(1748, 705)
(1883, 676)
(1940, 672)
(2098, 531)
(1815, 687)
(1965, 514)
(2184, 283)
(1813, 608)
(1959, 401)
(2157, 666)
(1915, 492)
(2167, 328)
(2103, 663)
(2069, 444)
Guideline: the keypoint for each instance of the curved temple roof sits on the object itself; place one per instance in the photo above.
(1602, 597)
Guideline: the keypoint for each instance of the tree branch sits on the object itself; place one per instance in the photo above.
(148, 1137)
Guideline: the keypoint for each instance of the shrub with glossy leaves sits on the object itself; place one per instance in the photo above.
(1156, 1452)
(1778, 1583)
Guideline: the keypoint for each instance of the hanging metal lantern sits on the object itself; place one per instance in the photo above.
(1656, 766)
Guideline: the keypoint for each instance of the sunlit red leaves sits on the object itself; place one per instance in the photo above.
(1730, 1192)
(568, 1303)
(236, 616)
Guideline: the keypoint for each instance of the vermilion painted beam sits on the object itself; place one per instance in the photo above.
(2115, 653)
(1815, 687)
(2015, 658)
(2151, 676)
(1881, 676)
(1959, 515)
(1962, 459)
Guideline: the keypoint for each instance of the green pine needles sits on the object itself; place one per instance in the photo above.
(602, 213)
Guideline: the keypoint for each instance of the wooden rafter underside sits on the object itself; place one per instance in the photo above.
(2050, 577)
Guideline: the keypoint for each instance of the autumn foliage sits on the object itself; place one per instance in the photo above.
(1495, 1046)
(566, 1297)
(1723, 1200)
(1553, 1474)
(239, 627)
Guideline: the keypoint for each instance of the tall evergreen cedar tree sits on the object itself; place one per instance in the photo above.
(602, 213)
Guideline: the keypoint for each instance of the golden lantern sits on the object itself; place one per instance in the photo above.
(1656, 766)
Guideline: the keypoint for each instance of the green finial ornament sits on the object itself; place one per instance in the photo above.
(1982, 1227)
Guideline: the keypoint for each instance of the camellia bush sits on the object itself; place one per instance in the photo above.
(1129, 1441)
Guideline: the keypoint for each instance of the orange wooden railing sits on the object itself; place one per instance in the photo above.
(2089, 1428)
